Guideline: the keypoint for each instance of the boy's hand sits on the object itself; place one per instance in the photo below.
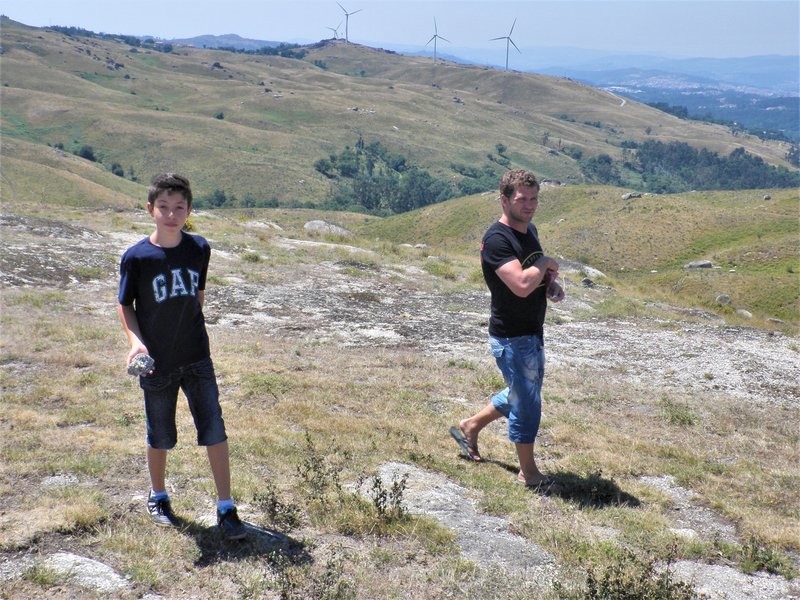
(136, 351)
(142, 364)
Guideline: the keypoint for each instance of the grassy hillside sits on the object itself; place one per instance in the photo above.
(149, 111)
(644, 243)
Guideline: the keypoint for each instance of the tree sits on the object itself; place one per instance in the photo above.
(87, 152)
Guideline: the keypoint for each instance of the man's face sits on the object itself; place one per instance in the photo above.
(522, 204)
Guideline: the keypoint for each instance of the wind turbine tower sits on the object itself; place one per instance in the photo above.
(347, 21)
(435, 37)
(335, 31)
(509, 41)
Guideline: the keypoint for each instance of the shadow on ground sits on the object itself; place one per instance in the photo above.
(275, 547)
(587, 491)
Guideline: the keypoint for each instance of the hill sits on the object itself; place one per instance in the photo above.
(253, 125)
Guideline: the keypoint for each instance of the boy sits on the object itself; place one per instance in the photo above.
(161, 294)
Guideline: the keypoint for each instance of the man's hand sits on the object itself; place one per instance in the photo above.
(555, 293)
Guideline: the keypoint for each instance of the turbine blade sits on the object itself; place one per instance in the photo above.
(356, 11)
(500, 38)
(515, 46)
(342, 7)
(512, 27)
(445, 39)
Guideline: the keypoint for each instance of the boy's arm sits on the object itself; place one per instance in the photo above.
(130, 324)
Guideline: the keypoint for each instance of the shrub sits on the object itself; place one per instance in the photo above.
(87, 152)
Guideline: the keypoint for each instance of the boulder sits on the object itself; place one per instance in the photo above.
(699, 264)
(326, 228)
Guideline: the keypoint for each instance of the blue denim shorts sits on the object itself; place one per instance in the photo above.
(521, 361)
(199, 383)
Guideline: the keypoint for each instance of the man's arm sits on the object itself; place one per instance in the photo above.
(521, 281)
(130, 324)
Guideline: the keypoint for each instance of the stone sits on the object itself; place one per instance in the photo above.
(699, 264)
(328, 228)
(141, 364)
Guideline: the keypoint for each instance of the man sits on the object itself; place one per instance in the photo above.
(521, 279)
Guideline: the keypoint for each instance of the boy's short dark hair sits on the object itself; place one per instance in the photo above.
(171, 183)
(511, 179)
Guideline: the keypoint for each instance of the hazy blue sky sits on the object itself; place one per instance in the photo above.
(711, 28)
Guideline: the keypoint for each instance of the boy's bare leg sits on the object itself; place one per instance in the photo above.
(220, 468)
(473, 425)
(529, 473)
(157, 466)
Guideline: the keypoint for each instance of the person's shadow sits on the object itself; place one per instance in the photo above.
(275, 547)
(586, 491)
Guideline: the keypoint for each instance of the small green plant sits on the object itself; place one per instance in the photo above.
(758, 556)
(44, 576)
(389, 503)
(251, 257)
(260, 385)
(678, 413)
(440, 268)
(279, 514)
(631, 578)
(84, 273)
(320, 476)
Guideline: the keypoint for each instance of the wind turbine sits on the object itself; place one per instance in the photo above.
(435, 37)
(509, 41)
(347, 21)
(335, 31)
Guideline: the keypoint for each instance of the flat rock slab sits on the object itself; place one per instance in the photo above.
(483, 539)
(86, 573)
(691, 519)
(719, 581)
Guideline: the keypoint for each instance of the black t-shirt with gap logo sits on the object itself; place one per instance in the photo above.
(512, 316)
(162, 284)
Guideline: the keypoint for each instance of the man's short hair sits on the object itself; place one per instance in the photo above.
(171, 183)
(511, 179)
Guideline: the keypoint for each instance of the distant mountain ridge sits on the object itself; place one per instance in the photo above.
(756, 92)
(228, 40)
(257, 126)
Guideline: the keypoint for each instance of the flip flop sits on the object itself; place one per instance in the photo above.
(468, 451)
(544, 483)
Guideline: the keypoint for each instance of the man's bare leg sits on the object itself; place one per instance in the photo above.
(472, 426)
(529, 473)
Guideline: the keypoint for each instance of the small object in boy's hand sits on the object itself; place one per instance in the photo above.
(141, 364)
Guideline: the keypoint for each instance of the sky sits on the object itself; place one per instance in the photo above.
(672, 28)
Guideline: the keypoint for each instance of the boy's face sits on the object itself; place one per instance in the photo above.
(170, 211)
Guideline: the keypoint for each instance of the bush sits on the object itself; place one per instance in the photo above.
(87, 152)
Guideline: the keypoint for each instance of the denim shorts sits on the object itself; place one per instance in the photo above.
(199, 383)
(521, 361)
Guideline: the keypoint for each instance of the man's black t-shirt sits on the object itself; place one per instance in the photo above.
(163, 286)
(512, 316)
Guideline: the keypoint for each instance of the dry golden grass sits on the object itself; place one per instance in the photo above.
(291, 400)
